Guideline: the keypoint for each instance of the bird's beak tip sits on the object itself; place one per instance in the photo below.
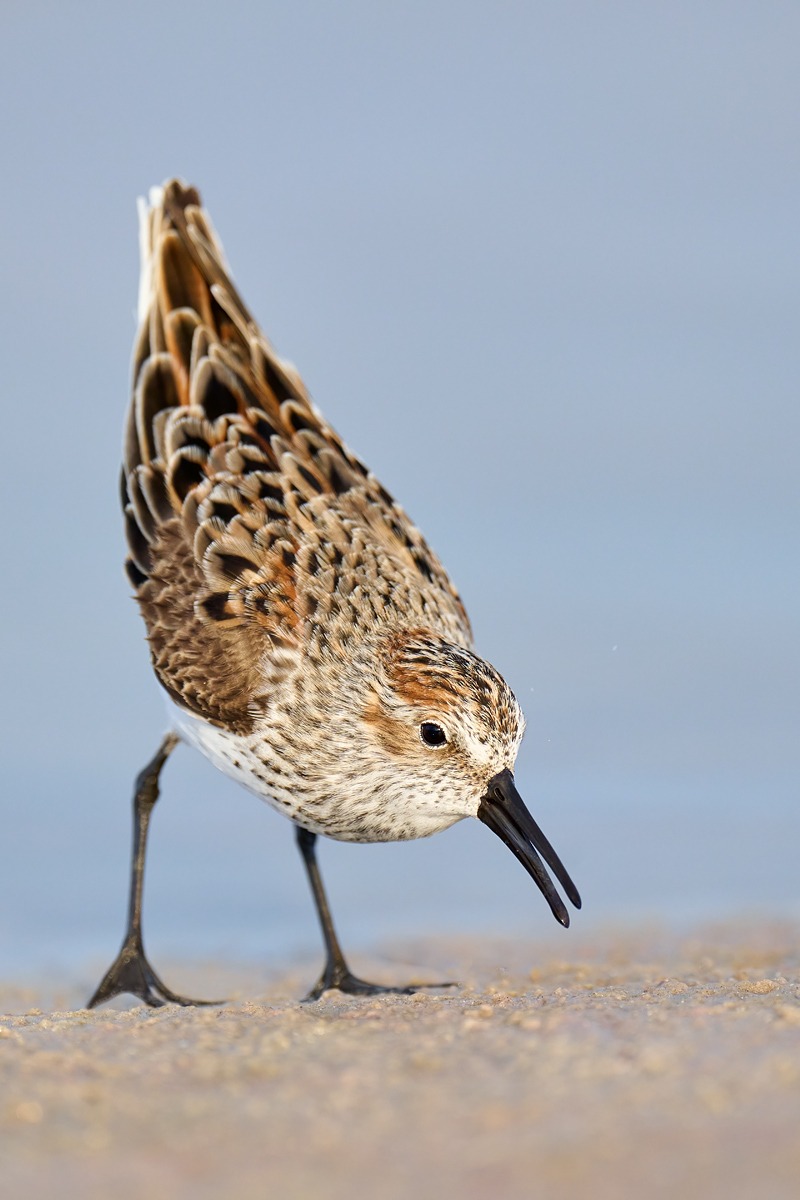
(503, 810)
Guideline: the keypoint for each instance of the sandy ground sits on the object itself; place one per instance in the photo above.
(640, 1065)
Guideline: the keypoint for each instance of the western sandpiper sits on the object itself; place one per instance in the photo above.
(307, 639)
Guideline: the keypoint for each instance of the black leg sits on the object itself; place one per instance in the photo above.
(336, 973)
(130, 971)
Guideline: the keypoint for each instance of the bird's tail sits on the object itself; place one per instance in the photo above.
(197, 348)
(185, 285)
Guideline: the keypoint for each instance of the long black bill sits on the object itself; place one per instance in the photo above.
(503, 810)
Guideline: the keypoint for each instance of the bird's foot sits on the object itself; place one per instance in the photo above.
(131, 972)
(340, 977)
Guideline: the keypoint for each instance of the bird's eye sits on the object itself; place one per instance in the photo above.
(432, 734)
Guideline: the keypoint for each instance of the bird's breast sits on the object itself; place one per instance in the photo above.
(314, 790)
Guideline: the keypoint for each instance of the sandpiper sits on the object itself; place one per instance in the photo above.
(306, 638)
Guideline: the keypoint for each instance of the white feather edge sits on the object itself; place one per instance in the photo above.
(145, 207)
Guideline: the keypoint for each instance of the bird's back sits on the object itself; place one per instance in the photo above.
(254, 534)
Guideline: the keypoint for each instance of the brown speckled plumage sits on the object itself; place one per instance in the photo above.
(250, 525)
(306, 636)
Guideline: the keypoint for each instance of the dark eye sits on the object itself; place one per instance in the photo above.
(432, 734)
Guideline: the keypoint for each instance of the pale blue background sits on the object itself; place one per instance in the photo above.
(538, 262)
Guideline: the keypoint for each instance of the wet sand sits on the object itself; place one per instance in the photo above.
(629, 1064)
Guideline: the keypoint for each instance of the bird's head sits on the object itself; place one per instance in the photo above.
(448, 727)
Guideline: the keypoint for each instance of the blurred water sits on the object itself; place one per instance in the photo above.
(225, 880)
(542, 274)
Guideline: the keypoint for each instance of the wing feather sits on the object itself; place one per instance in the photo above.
(223, 453)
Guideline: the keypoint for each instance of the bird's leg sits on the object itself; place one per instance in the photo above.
(130, 971)
(336, 973)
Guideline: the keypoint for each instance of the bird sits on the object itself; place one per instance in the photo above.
(305, 637)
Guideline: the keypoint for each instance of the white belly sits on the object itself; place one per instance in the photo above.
(230, 753)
